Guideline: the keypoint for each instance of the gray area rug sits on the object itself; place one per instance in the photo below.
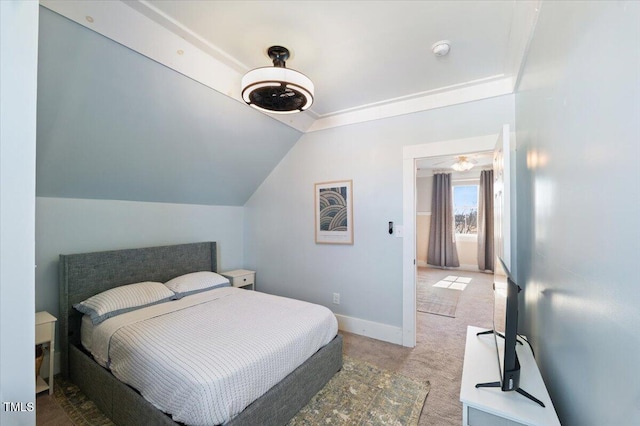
(80, 409)
(362, 394)
(436, 300)
(359, 394)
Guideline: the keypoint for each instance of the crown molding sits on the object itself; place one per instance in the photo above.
(145, 29)
(467, 92)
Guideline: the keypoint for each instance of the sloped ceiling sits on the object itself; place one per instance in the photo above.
(140, 100)
(114, 125)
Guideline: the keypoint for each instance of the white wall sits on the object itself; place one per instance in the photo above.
(467, 247)
(279, 217)
(18, 85)
(424, 191)
(578, 146)
(66, 226)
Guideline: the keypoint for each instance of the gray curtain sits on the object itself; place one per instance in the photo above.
(485, 221)
(442, 244)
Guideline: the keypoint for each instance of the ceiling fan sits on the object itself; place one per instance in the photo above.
(457, 163)
(463, 164)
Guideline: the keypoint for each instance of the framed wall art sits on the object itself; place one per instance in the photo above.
(334, 212)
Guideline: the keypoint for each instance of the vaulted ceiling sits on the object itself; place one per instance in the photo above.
(157, 116)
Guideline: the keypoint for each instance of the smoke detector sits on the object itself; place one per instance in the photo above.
(441, 48)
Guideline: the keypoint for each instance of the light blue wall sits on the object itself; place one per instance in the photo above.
(279, 217)
(113, 125)
(578, 148)
(66, 226)
(18, 78)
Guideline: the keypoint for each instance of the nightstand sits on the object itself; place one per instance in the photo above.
(241, 278)
(46, 333)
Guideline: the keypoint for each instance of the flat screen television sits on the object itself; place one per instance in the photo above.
(505, 331)
(505, 327)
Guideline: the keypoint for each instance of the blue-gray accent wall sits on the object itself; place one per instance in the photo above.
(578, 205)
(113, 124)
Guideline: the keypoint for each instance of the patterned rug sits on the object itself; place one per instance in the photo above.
(362, 394)
(437, 300)
(80, 409)
(359, 394)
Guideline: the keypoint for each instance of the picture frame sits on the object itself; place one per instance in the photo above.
(334, 212)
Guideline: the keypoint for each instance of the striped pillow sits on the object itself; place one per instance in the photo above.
(123, 299)
(196, 282)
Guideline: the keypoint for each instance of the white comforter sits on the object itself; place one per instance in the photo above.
(206, 357)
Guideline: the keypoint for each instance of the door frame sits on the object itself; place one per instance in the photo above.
(410, 154)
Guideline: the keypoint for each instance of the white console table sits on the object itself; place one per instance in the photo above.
(492, 406)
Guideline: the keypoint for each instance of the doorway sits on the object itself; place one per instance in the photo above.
(411, 154)
(466, 194)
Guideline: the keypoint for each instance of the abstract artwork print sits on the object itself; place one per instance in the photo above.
(333, 209)
(333, 212)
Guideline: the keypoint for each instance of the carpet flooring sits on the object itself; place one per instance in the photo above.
(442, 297)
(438, 301)
(437, 357)
(439, 351)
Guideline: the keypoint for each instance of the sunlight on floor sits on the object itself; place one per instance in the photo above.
(453, 282)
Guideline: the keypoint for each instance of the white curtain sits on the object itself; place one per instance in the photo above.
(442, 243)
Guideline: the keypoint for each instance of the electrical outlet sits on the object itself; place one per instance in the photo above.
(336, 298)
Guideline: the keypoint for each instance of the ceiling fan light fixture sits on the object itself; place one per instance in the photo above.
(277, 89)
(462, 165)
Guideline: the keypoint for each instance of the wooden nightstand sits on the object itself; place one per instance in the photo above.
(241, 278)
(46, 333)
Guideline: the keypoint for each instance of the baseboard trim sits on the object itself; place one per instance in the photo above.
(472, 268)
(375, 330)
(422, 263)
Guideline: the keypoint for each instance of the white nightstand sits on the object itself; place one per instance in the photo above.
(46, 333)
(241, 278)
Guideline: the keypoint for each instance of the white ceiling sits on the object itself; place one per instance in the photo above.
(368, 59)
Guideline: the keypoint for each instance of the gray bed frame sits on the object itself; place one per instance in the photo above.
(84, 275)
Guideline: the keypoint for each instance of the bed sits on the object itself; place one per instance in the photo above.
(84, 275)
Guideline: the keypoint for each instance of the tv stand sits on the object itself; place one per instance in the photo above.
(490, 407)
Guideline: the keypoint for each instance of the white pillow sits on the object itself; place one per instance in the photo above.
(196, 282)
(123, 299)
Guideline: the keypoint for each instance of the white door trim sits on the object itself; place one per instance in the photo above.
(410, 154)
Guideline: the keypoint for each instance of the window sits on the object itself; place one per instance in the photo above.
(465, 208)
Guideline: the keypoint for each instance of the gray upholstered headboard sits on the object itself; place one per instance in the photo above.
(86, 274)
